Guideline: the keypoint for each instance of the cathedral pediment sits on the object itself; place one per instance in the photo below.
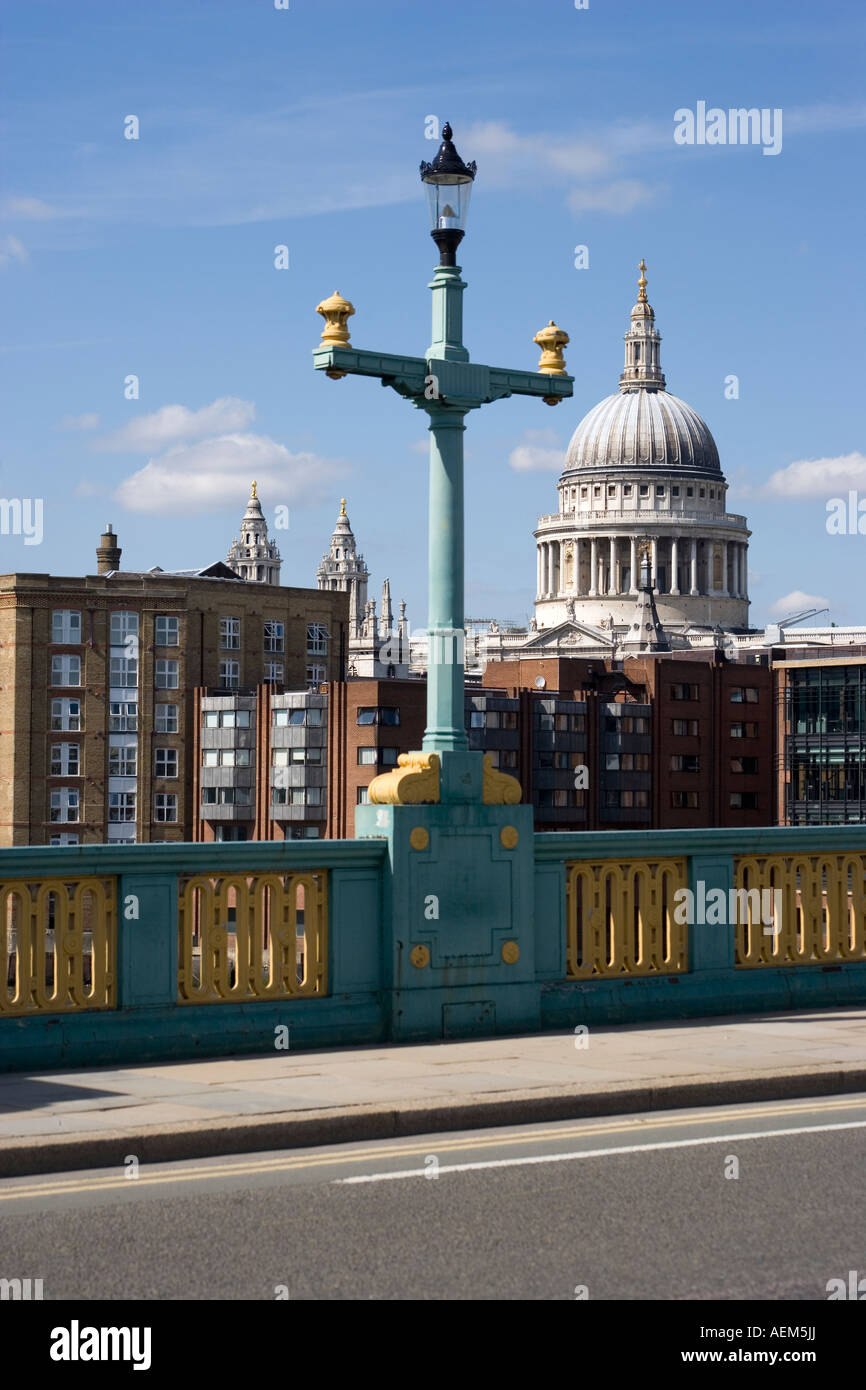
(569, 634)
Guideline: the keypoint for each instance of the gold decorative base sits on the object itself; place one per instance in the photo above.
(413, 782)
(498, 788)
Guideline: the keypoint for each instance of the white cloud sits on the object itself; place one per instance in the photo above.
(538, 451)
(31, 209)
(211, 474)
(12, 250)
(619, 197)
(174, 423)
(827, 116)
(795, 602)
(819, 477)
(88, 489)
(80, 422)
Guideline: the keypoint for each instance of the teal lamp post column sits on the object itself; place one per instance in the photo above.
(457, 913)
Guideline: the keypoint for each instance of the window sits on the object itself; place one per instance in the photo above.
(675, 492)
(121, 807)
(64, 760)
(712, 493)
(476, 719)
(228, 719)
(368, 757)
(165, 719)
(644, 489)
(379, 714)
(124, 672)
(66, 715)
(684, 692)
(225, 796)
(64, 804)
(635, 724)
(596, 492)
(627, 489)
(275, 637)
(690, 492)
(702, 492)
(388, 756)
(748, 766)
(124, 632)
(744, 695)
(491, 719)
(63, 840)
(230, 674)
(660, 492)
(685, 728)
(611, 490)
(167, 632)
(509, 719)
(317, 639)
(746, 730)
(123, 762)
(626, 799)
(165, 807)
(314, 796)
(685, 762)
(281, 757)
(684, 801)
(274, 673)
(611, 762)
(311, 716)
(363, 796)
(66, 670)
(165, 762)
(230, 634)
(122, 716)
(210, 757)
(508, 757)
(65, 625)
(166, 675)
(544, 720)
(744, 801)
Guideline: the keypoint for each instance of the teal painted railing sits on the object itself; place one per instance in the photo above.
(125, 954)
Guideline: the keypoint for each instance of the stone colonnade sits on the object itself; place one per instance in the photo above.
(592, 566)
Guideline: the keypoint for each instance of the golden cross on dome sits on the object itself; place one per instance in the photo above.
(642, 281)
(253, 490)
(342, 506)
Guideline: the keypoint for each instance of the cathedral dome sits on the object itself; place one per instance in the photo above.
(643, 428)
(642, 425)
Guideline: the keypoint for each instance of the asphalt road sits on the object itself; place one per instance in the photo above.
(639, 1207)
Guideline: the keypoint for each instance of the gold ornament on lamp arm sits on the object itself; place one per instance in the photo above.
(336, 312)
(414, 782)
(551, 340)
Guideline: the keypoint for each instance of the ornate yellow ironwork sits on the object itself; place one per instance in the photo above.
(620, 918)
(498, 788)
(800, 909)
(551, 340)
(58, 945)
(413, 782)
(336, 311)
(252, 937)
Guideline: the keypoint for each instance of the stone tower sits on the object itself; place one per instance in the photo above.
(344, 569)
(252, 556)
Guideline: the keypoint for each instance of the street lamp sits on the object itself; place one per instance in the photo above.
(448, 185)
(446, 386)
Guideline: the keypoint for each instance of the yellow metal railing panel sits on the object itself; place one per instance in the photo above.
(620, 918)
(801, 909)
(261, 936)
(58, 945)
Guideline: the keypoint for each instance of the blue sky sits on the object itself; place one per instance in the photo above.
(304, 127)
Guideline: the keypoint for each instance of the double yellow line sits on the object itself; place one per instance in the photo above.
(385, 1150)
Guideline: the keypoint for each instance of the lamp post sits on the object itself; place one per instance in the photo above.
(447, 386)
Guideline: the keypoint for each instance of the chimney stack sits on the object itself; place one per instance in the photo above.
(108, 552)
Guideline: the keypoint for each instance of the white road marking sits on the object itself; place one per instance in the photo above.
(598, 1153)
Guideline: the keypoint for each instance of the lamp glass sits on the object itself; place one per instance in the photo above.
(448, 203)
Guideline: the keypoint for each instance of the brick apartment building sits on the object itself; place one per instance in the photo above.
(99, 718)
